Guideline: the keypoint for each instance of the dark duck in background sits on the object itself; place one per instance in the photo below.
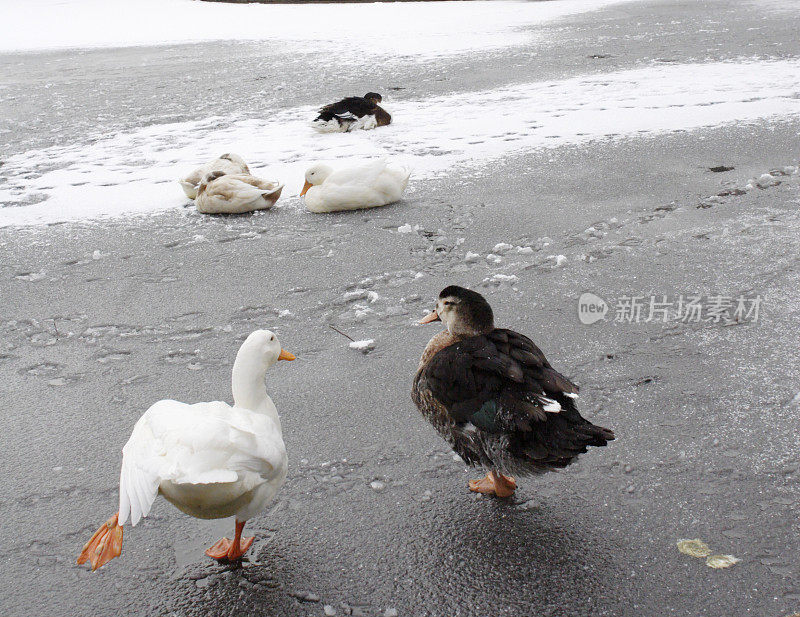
(352, 113)
(494, 397)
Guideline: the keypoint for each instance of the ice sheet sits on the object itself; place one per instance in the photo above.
(393, 30)
(454, 135)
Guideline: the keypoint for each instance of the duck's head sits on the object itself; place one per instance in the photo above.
(262, 349)
(315, 175)
(374, 97)
(464, 312)
(209, 178)
(236, 160)
(233, 158)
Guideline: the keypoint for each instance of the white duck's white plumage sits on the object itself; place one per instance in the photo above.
(220, 193)
(345, 123)
(210, 460)
(364, 186)
(228, 163)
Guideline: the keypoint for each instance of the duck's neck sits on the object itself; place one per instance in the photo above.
(249, 391)
(436, 344)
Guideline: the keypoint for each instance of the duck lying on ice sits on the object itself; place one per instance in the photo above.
(210, 460)
(352, 113)
(365, 186)
(227, 163)
(494, 397)
(221, 193)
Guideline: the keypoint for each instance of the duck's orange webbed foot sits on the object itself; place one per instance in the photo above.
(494, 484)
(231, 550)
(225, 550)
(104, 545)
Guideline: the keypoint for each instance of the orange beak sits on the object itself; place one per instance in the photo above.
(285, 355)
(306, 186)
(434, 316)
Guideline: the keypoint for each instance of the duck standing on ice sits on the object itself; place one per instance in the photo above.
(352, 113)
(494, 397)
(210, 460)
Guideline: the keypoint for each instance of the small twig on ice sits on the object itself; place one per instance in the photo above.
(340, 332)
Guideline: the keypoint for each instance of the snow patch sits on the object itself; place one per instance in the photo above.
(135, 172)
(501, 248)
(381, 31)
(499, 279)
(363, 346)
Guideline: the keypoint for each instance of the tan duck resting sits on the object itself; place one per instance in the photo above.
(228, 163)
(221, 193)
(494, 397)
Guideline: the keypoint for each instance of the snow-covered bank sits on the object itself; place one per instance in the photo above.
(390, 30)
(136, 172)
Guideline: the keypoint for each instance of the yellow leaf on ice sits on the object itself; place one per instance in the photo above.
(695, 548)
(721, 561)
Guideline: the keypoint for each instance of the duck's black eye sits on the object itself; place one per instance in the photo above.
(272, 338)
(448, 302)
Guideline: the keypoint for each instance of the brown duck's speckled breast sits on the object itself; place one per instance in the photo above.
(468, 446)
(434, 411)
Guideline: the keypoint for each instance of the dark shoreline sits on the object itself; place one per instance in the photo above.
(319, 1)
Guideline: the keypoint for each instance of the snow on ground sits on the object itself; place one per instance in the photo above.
(349, 30)
(453, 135)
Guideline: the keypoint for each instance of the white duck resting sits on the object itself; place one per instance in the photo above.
(221, 193)
(227, 163)
(366, 186)
(210, 460)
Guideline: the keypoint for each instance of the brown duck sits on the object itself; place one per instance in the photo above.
(494, 397)
(351, 113)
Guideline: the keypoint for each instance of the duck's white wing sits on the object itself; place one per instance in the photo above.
(346, 116)
(205, 443)
(363, 175)
(266, 187)
(228, 194)
(233, 165)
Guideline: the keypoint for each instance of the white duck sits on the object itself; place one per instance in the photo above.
(210, 460)
(227, 163)
(221, 193)
(366, 186)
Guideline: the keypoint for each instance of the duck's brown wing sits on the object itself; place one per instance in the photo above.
(501, 382)
(349, 108)
(382, 117)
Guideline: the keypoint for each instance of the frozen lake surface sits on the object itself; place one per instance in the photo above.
(635, 148)
(398, 32)
(133, 170)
